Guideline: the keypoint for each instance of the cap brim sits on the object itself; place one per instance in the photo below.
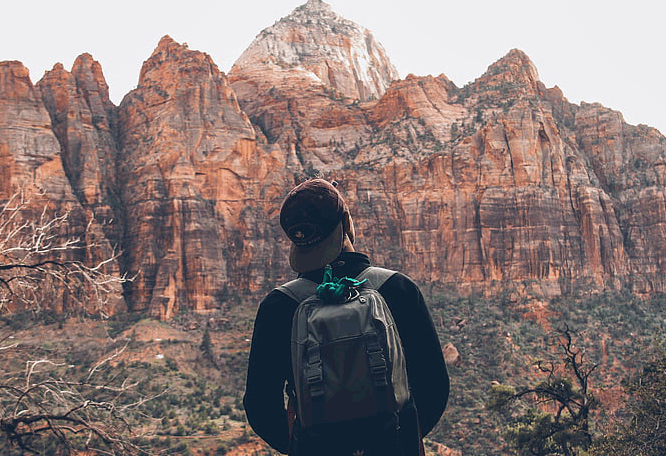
(308, 259)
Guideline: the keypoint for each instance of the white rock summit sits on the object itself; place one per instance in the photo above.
(336, 52)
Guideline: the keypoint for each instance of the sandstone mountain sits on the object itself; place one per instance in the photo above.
(320, 47)
(500, 183)
(57, 152)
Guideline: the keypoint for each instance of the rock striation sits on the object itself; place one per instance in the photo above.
(302, 80)
(84, 121)
(502, 183)
(196, 189)
(28, 146)
(322, 48)
(42, 161)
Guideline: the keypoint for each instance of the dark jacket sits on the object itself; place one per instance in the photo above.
(270, 361)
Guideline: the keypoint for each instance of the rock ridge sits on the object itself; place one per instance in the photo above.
(33, 166)
(191, 168)
(502, 183)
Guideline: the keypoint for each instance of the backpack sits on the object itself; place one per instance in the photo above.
(347, 358)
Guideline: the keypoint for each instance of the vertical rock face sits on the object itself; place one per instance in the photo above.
(501, 183)
(32, 165)
(488, 185)
(84, 121)
(194, 186)
(30, 151)
(628, 163)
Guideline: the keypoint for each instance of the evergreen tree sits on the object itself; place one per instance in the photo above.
(206, 347)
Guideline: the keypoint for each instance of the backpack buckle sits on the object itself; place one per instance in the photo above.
(315, 380)
(377, 363)
(313, 373)
(352, 294)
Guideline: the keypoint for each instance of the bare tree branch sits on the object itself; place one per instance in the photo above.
(108, 358)
(45, 404)
(41, 261)
(41, 264)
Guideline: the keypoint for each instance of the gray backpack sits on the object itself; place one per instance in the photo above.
(347, 358)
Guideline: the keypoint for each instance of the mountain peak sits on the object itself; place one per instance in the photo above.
(165, 42)
(516, 61)
(315, 5)
(512, 76)
(90, 78)
(325, 48)
(172, 61)
(15, 81)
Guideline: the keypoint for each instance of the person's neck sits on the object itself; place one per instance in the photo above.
(347, 246)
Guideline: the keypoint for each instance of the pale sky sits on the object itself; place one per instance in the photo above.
(605, 51)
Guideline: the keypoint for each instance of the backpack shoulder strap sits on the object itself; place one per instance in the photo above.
(299, 289)
(376, 276)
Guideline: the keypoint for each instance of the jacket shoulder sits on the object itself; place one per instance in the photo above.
(298, 289)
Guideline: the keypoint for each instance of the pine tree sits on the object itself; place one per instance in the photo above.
(206, 347)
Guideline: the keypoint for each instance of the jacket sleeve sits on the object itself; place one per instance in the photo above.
(426, 368)
(268, 371)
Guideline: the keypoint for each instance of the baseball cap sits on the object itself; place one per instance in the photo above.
(312, 217)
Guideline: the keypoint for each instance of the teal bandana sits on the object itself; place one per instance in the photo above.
(333, 289)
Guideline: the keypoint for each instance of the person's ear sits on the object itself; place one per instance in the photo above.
(348, 225)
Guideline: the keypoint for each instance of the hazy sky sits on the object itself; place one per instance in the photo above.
(605, 51)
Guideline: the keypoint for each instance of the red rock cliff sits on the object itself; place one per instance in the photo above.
(33, 164)
(501, 183)
(196, 188)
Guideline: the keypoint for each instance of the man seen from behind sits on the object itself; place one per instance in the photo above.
(319, 225)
